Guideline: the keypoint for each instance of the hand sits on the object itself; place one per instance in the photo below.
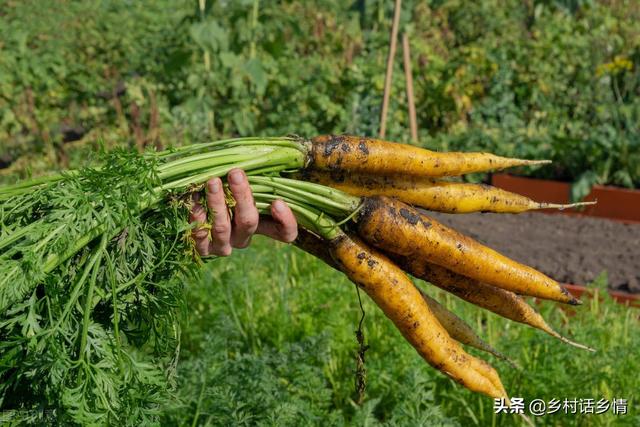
(227, 234)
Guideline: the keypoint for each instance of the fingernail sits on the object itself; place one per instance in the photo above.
(236, 176)
(278, 206)
(196, 197)
(214, 186)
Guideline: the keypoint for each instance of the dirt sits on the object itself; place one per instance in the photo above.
(570, 249)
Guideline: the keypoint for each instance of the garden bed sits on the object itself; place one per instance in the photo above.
(571, 249)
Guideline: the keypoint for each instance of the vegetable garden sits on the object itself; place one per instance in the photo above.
(108, 314)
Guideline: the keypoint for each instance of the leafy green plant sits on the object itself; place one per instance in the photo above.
(555, 79)
(92, 265)
(101, 331)
(555, 85)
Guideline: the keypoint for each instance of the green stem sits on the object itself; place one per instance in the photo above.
(49, 237)
(217, 144)
(211, 155)
(326, 205)
(78, 287)
(284, 158)
(114, 300)
(265, 171)
(264, 208)
(55, 260)
(257, 188)
(323, 197)
(17, 234)
(348, 201)
(299, 145)
(205, 164)
(89, 299)
(194, 423)
(34, 182)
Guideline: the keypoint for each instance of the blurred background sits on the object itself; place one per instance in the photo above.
(556, 79)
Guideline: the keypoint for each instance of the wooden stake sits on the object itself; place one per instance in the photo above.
(406, 53)
(389, 74)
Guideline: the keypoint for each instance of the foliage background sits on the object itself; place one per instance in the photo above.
(555, 79)
(272, 346)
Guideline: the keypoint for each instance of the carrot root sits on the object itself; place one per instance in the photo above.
(402, 303)
(374, 156)
(430, 193)
(400, 229)
(461, 331)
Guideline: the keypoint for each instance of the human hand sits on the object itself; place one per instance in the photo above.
(226, 233)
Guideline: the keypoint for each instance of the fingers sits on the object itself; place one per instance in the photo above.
(282, 225)
(245, 219)
(223, 236)
(286, 223)
(220, 243)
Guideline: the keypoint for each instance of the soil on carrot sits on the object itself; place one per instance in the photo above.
(569, 249)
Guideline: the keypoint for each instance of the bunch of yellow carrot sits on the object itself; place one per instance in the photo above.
(111, 239)
(385, 235)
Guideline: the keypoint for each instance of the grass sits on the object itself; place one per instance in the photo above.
(269, 340)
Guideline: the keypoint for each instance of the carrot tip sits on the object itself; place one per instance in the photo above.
(566, 206)
(554, 334)
(575, 344)
(536, 162)
(589, 203)
(575, 301)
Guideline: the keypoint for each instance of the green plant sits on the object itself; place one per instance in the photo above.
(91, 295)
(544, 79)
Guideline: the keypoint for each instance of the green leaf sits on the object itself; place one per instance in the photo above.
(254, 69)
(209, 35)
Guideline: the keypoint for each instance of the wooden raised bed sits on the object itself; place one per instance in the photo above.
(615, 203)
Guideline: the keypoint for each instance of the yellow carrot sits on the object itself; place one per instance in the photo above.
(432, 194)
(403, 304)
(400, 229)
(374, 156)
(500, 301)
(460, 330)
